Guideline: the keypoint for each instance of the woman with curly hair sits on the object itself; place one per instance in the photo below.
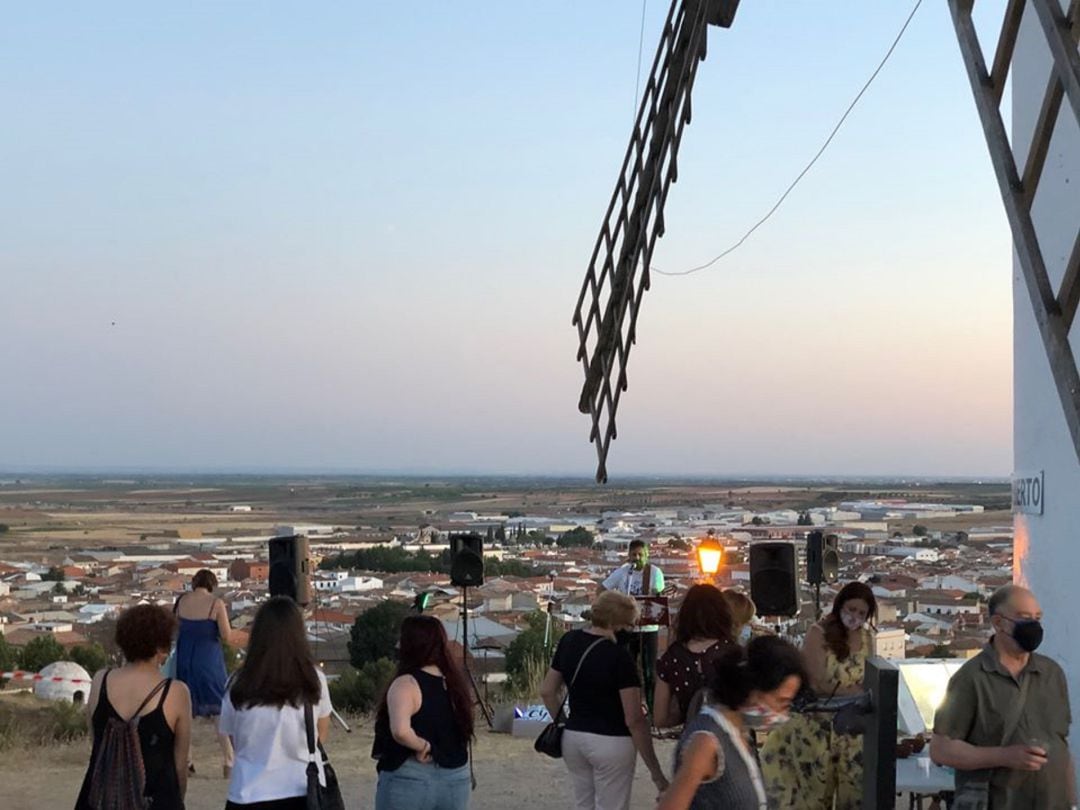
(806, 764)
(162, 707)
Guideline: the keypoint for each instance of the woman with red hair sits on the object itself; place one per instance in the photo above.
(424, 725)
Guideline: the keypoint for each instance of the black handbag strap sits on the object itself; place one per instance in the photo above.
(577, 670)
(309, 727)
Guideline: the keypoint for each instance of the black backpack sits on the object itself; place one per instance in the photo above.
(118, 778)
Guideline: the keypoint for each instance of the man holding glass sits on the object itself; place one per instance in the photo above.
(1004, 724)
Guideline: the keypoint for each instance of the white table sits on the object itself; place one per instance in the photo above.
(919, 777)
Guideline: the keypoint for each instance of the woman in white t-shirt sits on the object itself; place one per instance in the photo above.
(263, 712)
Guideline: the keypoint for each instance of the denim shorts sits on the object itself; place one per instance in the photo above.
(415, 786)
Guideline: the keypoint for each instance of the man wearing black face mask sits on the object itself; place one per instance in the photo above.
(1004, 724)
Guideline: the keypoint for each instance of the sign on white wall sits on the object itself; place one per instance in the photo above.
(1028, 492)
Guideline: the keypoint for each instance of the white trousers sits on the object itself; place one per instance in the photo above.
(601, 770)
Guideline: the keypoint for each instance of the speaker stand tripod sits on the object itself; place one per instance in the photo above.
(484, 709)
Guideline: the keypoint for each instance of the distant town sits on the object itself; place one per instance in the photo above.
(73, 554)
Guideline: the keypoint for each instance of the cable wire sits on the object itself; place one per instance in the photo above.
(809, 165)
(640, 48)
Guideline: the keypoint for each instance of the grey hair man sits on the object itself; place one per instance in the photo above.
(1004, 724)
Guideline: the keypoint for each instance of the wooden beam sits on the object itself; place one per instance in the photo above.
(1044, 126)
(1069, 297)
(1059, 36)
(1043, 301)
(1040, 138)
(1010, 29)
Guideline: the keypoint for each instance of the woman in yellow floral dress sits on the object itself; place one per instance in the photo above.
(806, 765)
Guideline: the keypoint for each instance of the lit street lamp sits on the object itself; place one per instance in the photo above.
(709, 555)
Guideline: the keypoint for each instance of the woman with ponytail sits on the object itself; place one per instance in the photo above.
(751, 689)
(424, 725)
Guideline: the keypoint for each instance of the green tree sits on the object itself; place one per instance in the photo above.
(40, 652)
(919, 530)
(375, 632)
(3, 528)
(537, 537)
(579, 537)
(359, 690)
(90, 657)
(528, 646)
(500, 534)
(940, 651)
(54, 574)
(9, 659)
(679, 544)
(59, 589)
(757, 520)
(232, 657)
(389, 559)
(805, 519)
(509, 568)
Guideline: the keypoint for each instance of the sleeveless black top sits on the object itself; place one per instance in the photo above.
(434, 722)
(157, 743)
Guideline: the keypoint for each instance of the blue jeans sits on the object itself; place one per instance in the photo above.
(415, 786)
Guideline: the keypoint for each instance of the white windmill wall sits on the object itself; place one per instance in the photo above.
(1047, 546)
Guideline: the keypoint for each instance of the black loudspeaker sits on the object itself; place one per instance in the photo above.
(774, 583)
(466, 560)
(815, 550)
(289, 573)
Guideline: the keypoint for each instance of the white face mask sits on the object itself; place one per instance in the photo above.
(762, 718)
(851, 622)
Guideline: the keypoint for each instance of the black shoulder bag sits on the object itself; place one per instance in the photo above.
(550, 740)
(319, 797)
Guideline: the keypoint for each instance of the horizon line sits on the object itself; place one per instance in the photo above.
(419, 473)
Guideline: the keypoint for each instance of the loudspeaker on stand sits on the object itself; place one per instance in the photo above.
(774, 585)
(289, 568)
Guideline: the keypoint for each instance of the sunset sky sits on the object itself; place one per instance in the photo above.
(350, 237)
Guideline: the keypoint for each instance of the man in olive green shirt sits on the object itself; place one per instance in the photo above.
(1005, 719)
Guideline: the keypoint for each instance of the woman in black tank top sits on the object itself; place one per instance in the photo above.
(424, 725)
(163, 707)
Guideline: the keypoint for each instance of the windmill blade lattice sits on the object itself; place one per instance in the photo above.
(618, 275)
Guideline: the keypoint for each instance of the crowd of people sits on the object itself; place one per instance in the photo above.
(1003, 725)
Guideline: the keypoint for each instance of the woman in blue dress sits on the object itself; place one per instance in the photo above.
(200, 660)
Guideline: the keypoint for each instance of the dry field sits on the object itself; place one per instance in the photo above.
(47, 519)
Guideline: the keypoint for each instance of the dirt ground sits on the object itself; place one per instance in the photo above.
(509, 774)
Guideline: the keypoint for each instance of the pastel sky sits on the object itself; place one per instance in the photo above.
(350, 237)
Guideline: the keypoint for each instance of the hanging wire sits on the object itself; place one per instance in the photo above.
(637, 75)
(808, 166)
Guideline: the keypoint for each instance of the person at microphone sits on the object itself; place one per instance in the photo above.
(639, 577)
